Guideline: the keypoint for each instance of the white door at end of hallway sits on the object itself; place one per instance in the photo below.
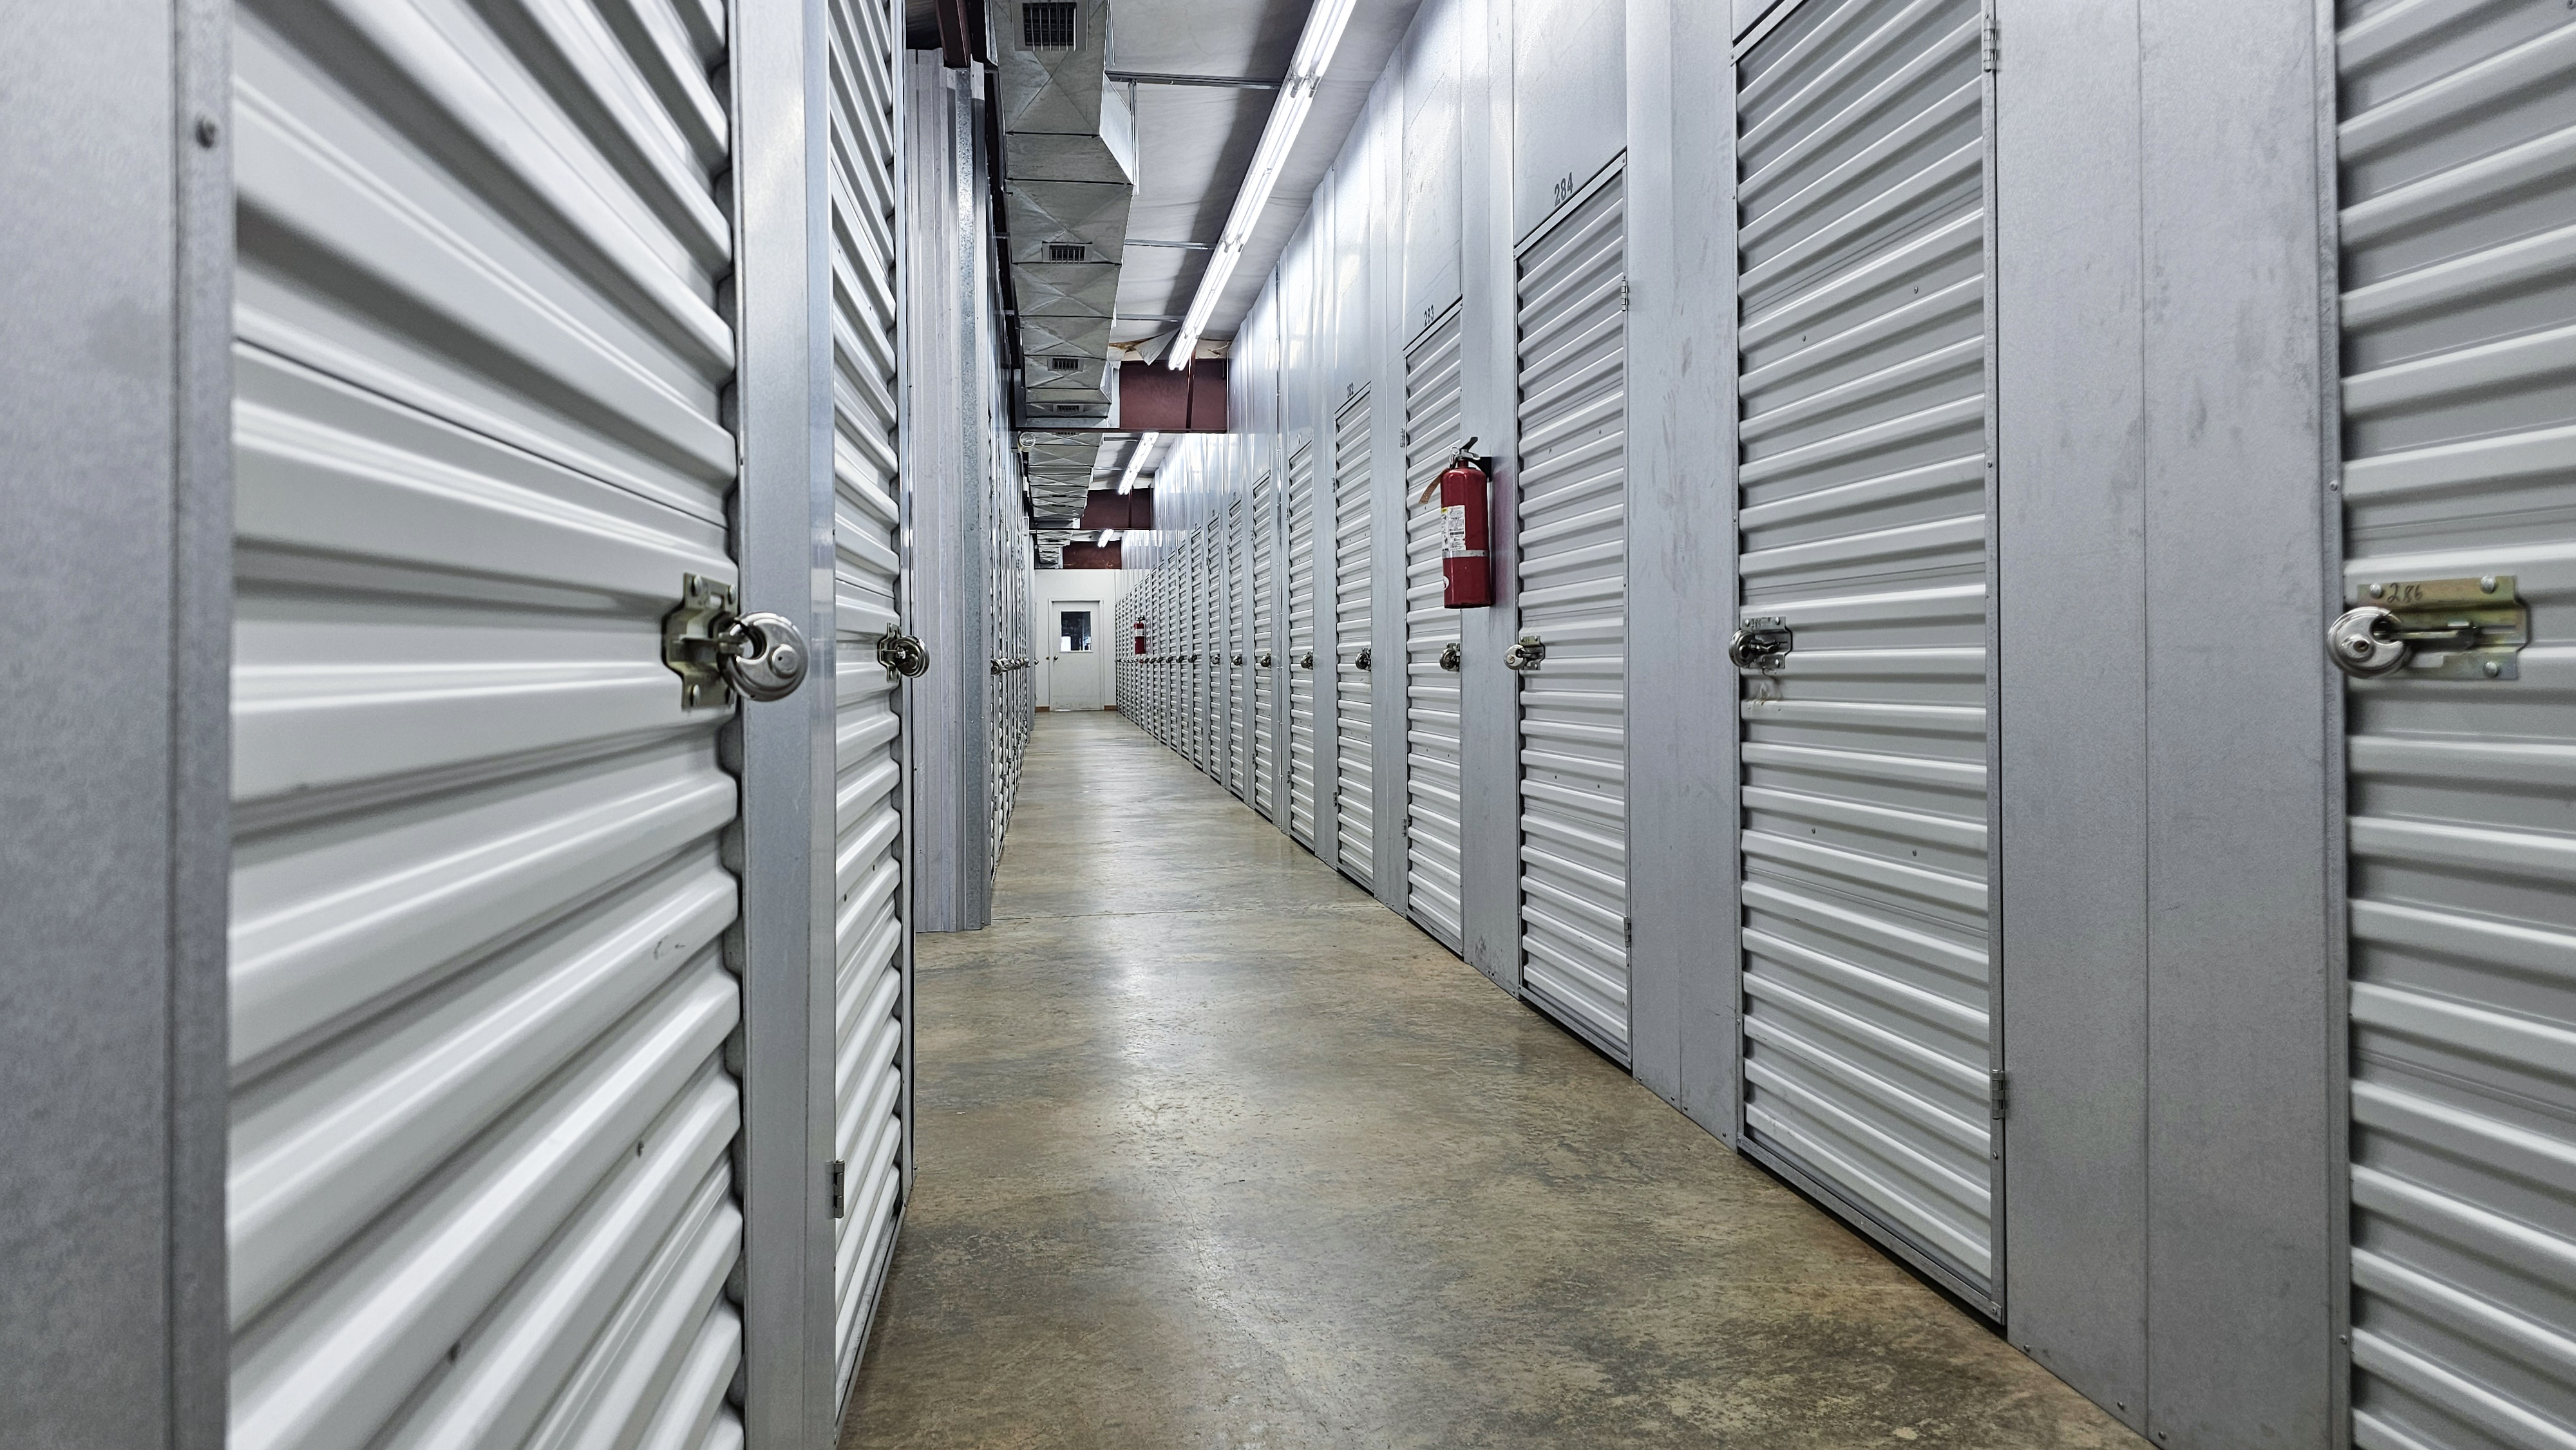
(1075, 682)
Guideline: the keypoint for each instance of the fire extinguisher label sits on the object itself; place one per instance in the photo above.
(1453, 531)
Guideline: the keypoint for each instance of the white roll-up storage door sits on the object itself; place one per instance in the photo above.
(1302, 657)
(1354, 805)
(871, 930)
(1208, 669)
(2459, 464)
(1573, 600)
(1236, 753)
(1431, 723)
(479, 1185)
(1262, 656)
(1866, 1048)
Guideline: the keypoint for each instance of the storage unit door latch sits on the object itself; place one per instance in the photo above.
(2433, 629)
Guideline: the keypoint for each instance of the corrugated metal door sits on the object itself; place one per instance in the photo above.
(871, 927)
(1208, 669)
(1237, 749)
(1354, 809)
(2459, 443)
(1262, 658)
(1431, 728)
(1301, 645)
(479, 1181)
(1861, 281)
(1573, 600)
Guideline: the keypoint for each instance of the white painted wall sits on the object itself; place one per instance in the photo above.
(1104, 588)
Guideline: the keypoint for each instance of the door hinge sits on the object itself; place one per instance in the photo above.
(1623, 295)
(1628, 930)
(1999, 1093)
(1990, 45)
(840, 1175)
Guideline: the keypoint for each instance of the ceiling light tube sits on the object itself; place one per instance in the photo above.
(1109, 536)
(1136, 464)
(1315, 46)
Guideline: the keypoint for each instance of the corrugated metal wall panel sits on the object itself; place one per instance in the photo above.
(2459, 342)
(1301, 645)
(1573, 596)
(480, 1129)
(1354, 812)
(1262, 658)
(1861, 284)
(1235, 754)
(1431, 701)
(870, 926)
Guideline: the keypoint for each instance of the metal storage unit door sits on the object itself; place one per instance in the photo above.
(1301, 645)
(1573, 599)
(1207, 589)
(2459, 447)
(479, 1184)
(1262, 657)
(871, 926)
(1354, 811)
(1237, 750)
(1431, 729)
(1861, 280)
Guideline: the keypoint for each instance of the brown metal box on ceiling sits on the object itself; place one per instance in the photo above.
(1153, 398)
(1107, 510)
(1093, 556)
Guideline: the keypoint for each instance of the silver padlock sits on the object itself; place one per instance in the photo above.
(764, 655)
(2366, 642)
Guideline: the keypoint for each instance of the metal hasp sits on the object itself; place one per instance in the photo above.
(1762, 644)
(1527, 655)
(1449, 657)
(2435, 629)
(717, 652)
(903, 655)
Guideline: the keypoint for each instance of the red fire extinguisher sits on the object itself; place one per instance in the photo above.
(1465, 495)
(1140, 634)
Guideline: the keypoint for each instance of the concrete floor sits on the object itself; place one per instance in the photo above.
(1216, 1151)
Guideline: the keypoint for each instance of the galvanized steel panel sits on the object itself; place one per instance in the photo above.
(1861, 282)
(1573, 596)
(480, 1171)
(2458, 238)
(1262, 657)
(1301, 645)
(1431, 726)
(1354, 811)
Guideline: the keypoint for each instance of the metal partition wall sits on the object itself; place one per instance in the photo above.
(482, 1181)
(1431, 639)
(1301, 658)
(1867, 1050)
(2459, 316)
(1263, 653)
(1354, 807)
(871, 1090)
(1573, 616)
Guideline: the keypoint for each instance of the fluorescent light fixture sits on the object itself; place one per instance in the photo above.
(1109, 536)
(1315, 46)
(1136, 463)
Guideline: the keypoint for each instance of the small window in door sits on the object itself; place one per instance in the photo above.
(1073, 631)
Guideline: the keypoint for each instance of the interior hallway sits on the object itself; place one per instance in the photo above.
(1216, 1151)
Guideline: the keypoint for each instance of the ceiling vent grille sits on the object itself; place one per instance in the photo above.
(1047, 24)
(1068, 252)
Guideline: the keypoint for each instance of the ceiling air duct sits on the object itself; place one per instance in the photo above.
(1069, 174)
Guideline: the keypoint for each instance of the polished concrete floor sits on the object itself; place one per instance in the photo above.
(1216, 1151)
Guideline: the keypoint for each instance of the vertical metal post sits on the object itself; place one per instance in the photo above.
(115, 416)
(782, 520)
